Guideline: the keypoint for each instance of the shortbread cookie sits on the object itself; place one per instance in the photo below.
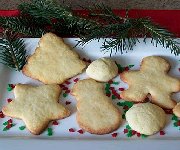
(153, 79)
(53, 61)
(176, 110)
(146, 118)
(36, 106)
(95, 111)
(103, 70)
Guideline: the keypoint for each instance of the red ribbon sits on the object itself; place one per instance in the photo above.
(169, 19)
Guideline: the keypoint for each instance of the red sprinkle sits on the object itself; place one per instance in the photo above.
(108, 94)
(12, 85)
(168, 111)
(162, 133)
(67, 82)
(9, 100)
(89, 60)
(67, 102)
(55, 123)
(112, 88)
(114, 135)
(178, 123)
(125, 131)
(125, 107)
(65, 88)
(121, 89)
(110, 81)
(67, 91)
(84, 59)
(1, 114)
(118, 96)
(71, 130)
(62, 86)
(138, 134)
(80, 131)
(9, 121)
(9, 126)
(126, 68)
(133, 132)
(76, 80)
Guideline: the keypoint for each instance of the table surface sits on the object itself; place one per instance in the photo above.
(120, 4)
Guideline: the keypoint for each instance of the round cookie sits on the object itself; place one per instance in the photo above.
(146, 118)
(103, 70)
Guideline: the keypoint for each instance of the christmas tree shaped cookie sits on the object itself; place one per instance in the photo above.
(53, 61)
(95, 111)
(151, 79)
(36, 106)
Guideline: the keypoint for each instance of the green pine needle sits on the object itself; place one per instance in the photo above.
(101, 22)
(12, 51)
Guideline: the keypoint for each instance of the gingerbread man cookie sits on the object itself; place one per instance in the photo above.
(151, 79)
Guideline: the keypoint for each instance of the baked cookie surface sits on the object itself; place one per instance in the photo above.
(36, 106)
(95, 111)
(151, 79)
(146, 118)
(53, 61)
(176, 110)
(103, 70)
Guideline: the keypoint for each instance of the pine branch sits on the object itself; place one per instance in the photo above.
(66, 19)
(161, 36)
(125, 32)
(100, 23)
(12, 51)
(24, 25)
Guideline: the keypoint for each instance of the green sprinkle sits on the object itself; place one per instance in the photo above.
(120, 103)
(130, 66)
(174, 117)
(50, 132)
(108, 92)
(9, 89)
(129, 104)
(125, 111)
(5, 123)
(144, 136)
(175, 124)
(128, 127)
(123, 116)
(107, 85)
(116, 83)
(5, 129)
(120, 68)
(113, 97)
(65, 94)
(129, 134)
(106, 88)
(22, 127)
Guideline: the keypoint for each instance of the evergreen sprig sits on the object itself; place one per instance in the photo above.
(99, 22)
(26, 25)
(12, 51)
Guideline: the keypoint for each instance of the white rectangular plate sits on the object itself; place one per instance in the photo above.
(61, 131)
